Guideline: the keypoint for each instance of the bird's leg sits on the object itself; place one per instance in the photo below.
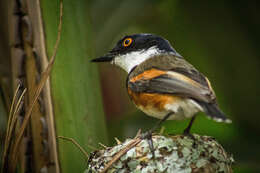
(148, 135)
(187, 130)
(159, 123)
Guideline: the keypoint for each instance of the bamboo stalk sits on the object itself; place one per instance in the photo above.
(38, 90)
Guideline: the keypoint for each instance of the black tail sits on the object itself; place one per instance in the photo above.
(213, 111)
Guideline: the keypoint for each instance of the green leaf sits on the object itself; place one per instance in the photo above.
(74, 82)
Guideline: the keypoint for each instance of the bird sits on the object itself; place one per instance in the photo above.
(160, 82)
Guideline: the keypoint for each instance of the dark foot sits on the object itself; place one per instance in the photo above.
(148, 135)
(188, 134)
(186, 131)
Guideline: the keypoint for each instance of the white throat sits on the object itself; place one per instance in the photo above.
(132, 59)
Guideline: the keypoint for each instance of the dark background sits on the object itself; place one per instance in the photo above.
(220, 38)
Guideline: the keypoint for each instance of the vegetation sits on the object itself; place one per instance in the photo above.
(220, 38)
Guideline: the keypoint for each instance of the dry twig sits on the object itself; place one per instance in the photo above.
(121, 153)
(11, 122)
(38, 90)
(76, 144)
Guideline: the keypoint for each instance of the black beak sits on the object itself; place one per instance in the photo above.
(106, 58)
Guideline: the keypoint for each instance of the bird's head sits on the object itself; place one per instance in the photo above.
(132, 50)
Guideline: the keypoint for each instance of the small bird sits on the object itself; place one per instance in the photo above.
(161, 82)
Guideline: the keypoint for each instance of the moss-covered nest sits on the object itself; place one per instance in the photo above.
(174, 154)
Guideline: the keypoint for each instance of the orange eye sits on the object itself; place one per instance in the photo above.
(127, 42)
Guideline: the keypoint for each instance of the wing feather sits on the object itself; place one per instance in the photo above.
(167, 84)
(175, 76)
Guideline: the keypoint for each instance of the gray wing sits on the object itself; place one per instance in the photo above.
(168, 85)
(169, 62)
(194, 86)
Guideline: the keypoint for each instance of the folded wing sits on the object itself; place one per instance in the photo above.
(172, 82)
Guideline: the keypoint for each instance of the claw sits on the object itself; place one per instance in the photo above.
(148, 135)
(185, 133)
(150, 142)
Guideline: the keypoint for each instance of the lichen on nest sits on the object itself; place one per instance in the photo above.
(174, 154)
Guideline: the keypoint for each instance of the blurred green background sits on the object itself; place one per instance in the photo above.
(220, 38)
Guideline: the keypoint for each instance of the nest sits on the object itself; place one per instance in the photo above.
(180, 154)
